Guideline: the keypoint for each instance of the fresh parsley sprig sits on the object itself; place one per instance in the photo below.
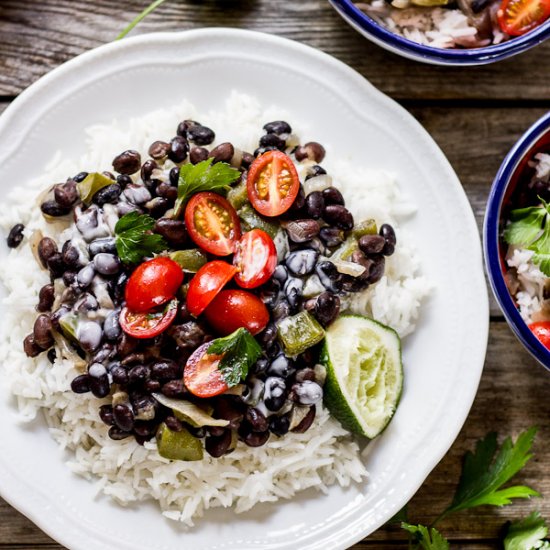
(427, 538)
(527, 534)
(203, 176)
(530, 228)
(134, 240)
(240, 351)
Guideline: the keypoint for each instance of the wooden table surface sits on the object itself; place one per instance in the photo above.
(474, 114)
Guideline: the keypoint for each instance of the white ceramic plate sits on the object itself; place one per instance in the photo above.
(443, 359)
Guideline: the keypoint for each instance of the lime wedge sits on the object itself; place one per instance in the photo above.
(364, 373)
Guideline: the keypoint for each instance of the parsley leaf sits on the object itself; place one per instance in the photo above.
(427, 538)
(486, 470)
(525, 226)
(240, 351)
(203, 176)
(527, 534)
(134, 240)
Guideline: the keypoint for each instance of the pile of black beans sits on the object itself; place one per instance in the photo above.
(126, 371)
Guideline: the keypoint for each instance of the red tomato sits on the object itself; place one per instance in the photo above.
(206, 283)
(516, 17)
(542, 331)
(153, 283)
(233, 309)
(148, 324)
(212, 223)
(201, 375)
(272, 183)
(255, 258)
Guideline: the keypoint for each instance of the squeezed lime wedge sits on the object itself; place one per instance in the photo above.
(364, 373)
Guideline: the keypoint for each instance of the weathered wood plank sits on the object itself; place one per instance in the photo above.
(38, 36)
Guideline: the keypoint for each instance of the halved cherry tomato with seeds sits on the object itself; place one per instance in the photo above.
(212, 223)
(206, 283)
(148, 324)
(152, 284)
(234, 309)
(542, 331)
(201, 375)
(272, 183)
(516, 17)
(255, 259)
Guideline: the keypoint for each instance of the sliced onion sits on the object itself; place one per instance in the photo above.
(237, 158)
(297, 415)
(34, 241)
(349, 268)
(68, 353)
(317, 183)
(313, 287)
(192, 414)
(235, 390)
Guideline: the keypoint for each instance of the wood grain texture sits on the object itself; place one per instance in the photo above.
(38, 36)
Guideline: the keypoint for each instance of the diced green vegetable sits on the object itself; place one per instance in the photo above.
(91, 184)
(178, 445)
(189, 412)
(299, 332)
(238, 195)
(252, 220)
(366, 227)
(189, 260)
(430, 3)
(345, 250)
(68, 324)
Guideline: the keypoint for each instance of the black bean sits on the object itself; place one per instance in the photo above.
(297, 207)
(256, 439)
(42, 331)
(377, 270)
(314, 171)
(106, 414)
(268, 336)
(109, 175)
(305, 374)
(359, 257)
(217, 446)
(306, 423)
(216, 431)
(332, 236)
(174, 388)
(185, 126)
(119, 287)
(229, 409)
(372, 244)
(301, 231)
(86, 303)
(152, 386)
(315, 204)
(281, 310)
(281, 366)
(123, 180)
(106, 244)
(51, 355)
(222, 153)
(172, 230)
(479, 5)
(273, 140)
(178, 149)
(278, 127)
(127, 163)
(117, 434)
(46, 249)
(158, 207)
(189, 335)
(293, 289)
(165, 370)
(145, 407)
(260, 366)
(247, 160)
(279, 425)
(69, 277)
(201, 135)
(56, 265)
(173, 424)
(15, 235)
(166, 191)
(338, 215)
(124, 417)
(119, 374)
(333, 196)
(327, 307)
(66, 194)
(261, 150)
(108, 194)
(159, 150)
(81, 176)
(51, 208)
(138, 375)
(106, 264)
(147, 169)
(306, 392)
(46, 298)
(302, 262)
(145, 429)
(81, 384)
(388, 233)
(311, 150)
(275, 393)
(31, 348)
(71, 256)
(329, 276)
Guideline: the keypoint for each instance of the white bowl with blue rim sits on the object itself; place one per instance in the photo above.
(507, 179)
(395, 43)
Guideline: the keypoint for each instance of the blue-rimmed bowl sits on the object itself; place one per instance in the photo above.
(436, 56)
(510, 175)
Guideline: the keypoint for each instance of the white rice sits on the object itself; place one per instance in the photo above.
(127, 472)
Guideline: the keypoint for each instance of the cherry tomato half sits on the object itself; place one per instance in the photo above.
(152, 284)
(212, 223)
(542, 331)
(272, 183)
(255, 259)
(148, 324)
(233, 309)
(516, 17)
(206, 283)
(201, 375)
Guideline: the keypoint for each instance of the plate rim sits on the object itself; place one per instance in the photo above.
(437, 452)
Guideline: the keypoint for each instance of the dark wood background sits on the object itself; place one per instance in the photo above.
(474, 114)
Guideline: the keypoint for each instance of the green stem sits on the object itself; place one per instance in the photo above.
(438, 518)
(151, 7)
